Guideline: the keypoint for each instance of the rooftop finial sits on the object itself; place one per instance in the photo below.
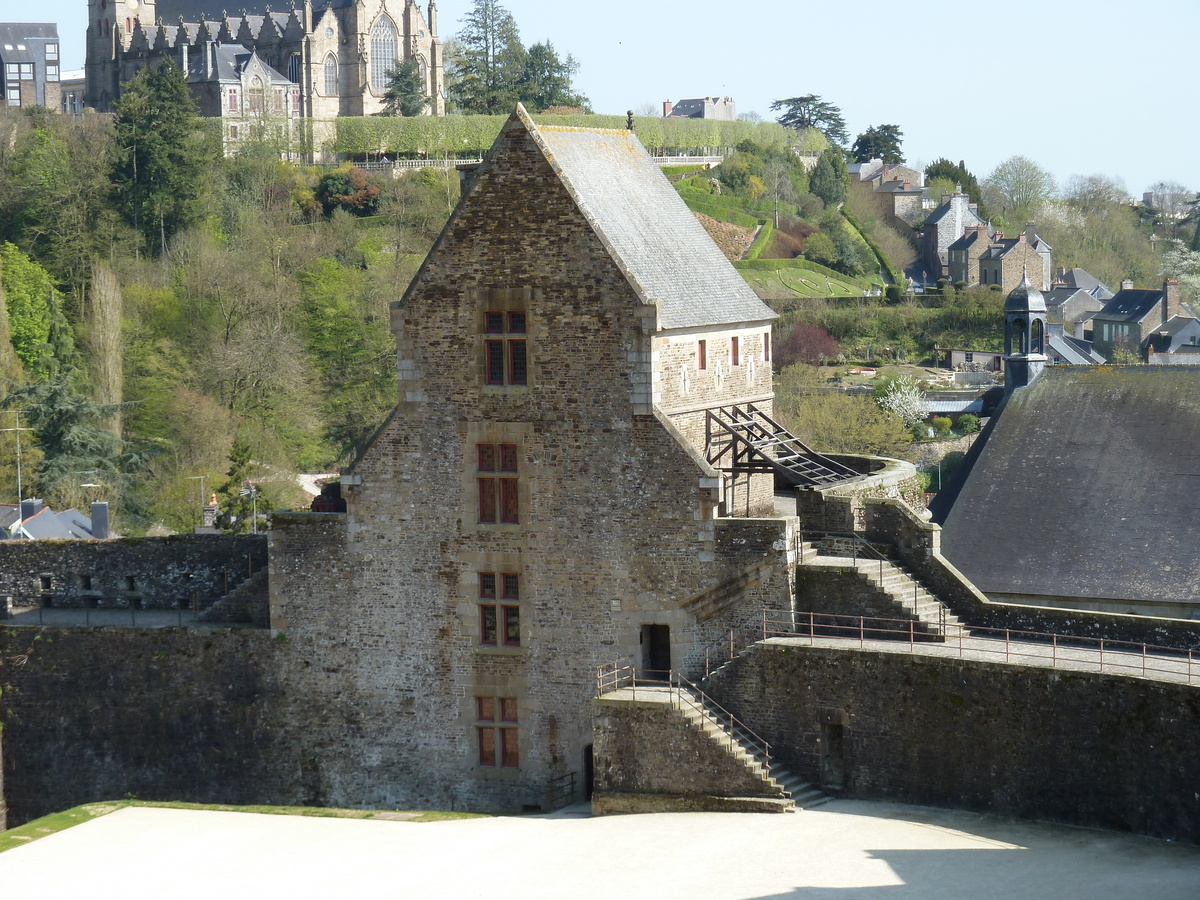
(629, 121)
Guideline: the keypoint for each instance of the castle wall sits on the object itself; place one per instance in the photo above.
(1076, 747)
(120, 573)
(92, 714)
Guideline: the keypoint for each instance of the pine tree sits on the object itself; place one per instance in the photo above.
(235, 494)
(826, 181)
(405, 94)
(1196, 239)
(161, 154)
(490, 61)
(546, 80)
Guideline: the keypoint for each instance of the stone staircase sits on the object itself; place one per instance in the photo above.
(246, 604)
(907, 596)
(783, 791)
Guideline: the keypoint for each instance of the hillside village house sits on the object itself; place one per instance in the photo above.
(944, 226)
(1129, 319)
(330, 58)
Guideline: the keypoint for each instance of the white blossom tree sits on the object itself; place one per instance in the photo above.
(905, 399)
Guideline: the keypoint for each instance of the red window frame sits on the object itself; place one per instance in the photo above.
(496, 477)
(496, 727)
(505, 354)
(702, 355)
(733, 351)
(499, 616)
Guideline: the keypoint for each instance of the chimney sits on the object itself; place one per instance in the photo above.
(100, 520)
(30, 508)
(1127, 284)
(667, 107)
(1174, 300)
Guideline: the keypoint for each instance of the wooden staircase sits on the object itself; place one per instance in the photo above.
(743, 438)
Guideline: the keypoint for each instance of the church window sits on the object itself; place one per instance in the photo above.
(331, 78)
(504, 348)
(496, 728)
(384, 52)
(701, 355)
(295, 68)
(499, 612)
(733, 352)
(256, 95)
(496, 468)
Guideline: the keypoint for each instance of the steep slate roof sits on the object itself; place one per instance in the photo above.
(1088, 485)
(1085, 281)
(665, 253)
(194, 10)
(1130, 305)
(231, 60)
(1073, 350)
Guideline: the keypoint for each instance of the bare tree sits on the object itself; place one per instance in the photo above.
(1021, 183)
(104, 315)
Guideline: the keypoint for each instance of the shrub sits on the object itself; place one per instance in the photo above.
(968, 423)
(349, 189)
(893, 293)
(941, 425)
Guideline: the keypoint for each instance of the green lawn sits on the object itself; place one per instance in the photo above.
(55, 822)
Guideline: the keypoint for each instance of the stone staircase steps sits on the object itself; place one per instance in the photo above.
(903, 590)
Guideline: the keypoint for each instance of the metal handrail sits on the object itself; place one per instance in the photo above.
(1107, 654)
(621, 673)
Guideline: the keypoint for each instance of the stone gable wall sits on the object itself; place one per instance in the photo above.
(616, 523)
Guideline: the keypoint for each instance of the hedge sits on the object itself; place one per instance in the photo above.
(769, 265)
(452, 136)
(761, 241)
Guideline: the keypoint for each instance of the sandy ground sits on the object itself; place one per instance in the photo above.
(844, 850)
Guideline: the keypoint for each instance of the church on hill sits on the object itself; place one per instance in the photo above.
(315, 60)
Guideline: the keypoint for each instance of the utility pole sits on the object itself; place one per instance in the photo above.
(20, 489)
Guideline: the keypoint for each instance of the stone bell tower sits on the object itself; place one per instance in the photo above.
(1024, 335)
(110, 28)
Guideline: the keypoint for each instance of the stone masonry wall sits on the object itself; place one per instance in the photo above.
(145, 573)
(91, 714)
(649, 748)
(1082, 748)
(381, 608)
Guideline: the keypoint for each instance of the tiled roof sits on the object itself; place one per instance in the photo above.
(1088, 485)
(663, 250)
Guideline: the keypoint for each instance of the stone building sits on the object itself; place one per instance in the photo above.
(334, 55)
(551, 492)
(720, 108)
(944, 226)
(1008, 261)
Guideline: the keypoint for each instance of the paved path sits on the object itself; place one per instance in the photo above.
(846, 850)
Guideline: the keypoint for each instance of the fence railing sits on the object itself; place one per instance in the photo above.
(84, 616)
(683, 694)
(1011, 645)
(560, 792)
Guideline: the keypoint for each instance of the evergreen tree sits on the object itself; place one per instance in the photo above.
(1196, 239)
(879, 142)
(810, 111)
(405, 94)
(546, 80)
(828, 180)
(236, 494)
(160, 152)
(490, 61)
(960, 175)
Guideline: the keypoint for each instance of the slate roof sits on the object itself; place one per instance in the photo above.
(196, 10)
(1087, 485)
(1130, 305)
(663, 250)
(44, 525)
(1083, 280)
(27, 42)
(231, 59)
(1073, 350)
(968, 238)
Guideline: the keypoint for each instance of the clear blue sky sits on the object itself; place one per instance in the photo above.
(1082, 87)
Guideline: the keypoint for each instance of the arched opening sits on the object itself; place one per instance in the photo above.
(385, 47)
(331, 76)
(1036, 336)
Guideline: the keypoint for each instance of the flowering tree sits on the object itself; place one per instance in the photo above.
(902, 397)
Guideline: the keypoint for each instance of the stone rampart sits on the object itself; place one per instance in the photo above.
(93, 714)
(1082, 748)
(123, 573)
